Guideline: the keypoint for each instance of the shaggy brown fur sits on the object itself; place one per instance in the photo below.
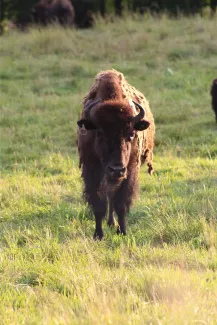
(47, 11)
(213, 93)
(113, 148)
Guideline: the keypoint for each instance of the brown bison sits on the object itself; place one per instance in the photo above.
(213, 93)
(115, 136)
(47, 11)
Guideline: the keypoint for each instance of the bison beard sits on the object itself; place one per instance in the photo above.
(214, 97)
(110, 152)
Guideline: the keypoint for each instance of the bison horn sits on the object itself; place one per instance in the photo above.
(88, 108)
(141, 114)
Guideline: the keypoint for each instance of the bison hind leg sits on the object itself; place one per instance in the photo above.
(150, 169)
(147, 158)
(111, 218)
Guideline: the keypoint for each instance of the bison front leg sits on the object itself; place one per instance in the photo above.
(111, 218)
(96, 199)
(123, 200)
(121, 212)
(99, 208)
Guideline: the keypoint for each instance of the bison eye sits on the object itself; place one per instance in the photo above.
(130, 137)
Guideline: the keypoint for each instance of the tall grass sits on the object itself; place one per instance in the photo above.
(164, 270)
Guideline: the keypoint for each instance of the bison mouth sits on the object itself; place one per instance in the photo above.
(115, 174)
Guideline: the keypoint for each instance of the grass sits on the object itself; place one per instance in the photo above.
(164, 270)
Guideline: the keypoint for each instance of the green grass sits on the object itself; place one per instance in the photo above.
(164, 270)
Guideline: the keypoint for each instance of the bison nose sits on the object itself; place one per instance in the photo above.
(117, 171)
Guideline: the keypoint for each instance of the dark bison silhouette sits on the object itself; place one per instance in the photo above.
(213, 93)
(47, 11)
(115, 136)
(213, 5)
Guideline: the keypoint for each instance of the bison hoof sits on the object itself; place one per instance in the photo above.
(121, 232)
(98, 235)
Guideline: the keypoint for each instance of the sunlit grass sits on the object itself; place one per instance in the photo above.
(164, 270)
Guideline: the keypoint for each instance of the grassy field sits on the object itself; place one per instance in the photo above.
(164, 270)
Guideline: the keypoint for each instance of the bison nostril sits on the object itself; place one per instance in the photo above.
(117, 170)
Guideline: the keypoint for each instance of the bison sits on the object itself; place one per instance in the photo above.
(47, 11)
(115, 136)
(213, 93)
(213, 5)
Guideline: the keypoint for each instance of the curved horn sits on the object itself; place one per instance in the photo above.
(88, 108)
(141, 114)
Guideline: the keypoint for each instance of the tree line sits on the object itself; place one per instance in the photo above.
(19, 10)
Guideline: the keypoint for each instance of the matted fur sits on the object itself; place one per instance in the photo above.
(120, 89)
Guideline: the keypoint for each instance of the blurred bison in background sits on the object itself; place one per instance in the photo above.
(213, 5)
(213, 93)
(115, 137)
(84, 13)
(48, 11)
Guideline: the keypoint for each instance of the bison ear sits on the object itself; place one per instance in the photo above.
(141, 125)
(86, 124)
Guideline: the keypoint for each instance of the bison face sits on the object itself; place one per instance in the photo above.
(115, 128)
(114, 151)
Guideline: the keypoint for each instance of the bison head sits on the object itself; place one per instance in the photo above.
(115, 128)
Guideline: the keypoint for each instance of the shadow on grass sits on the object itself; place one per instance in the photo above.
(64, 220)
